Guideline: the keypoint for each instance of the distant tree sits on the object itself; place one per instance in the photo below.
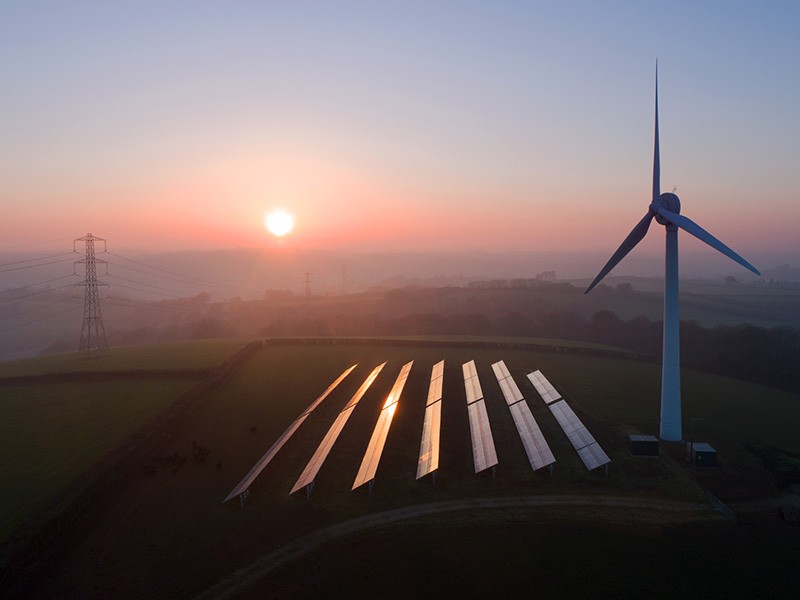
(546, 276)
(731, 280)
(625, 287)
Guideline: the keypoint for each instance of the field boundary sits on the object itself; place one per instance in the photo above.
(94, 376)
(467, 343)
(28, 551)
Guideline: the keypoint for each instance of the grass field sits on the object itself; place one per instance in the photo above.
(170, 536)
(172, 355)
(52, 432)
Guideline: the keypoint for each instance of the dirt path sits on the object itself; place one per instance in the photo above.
(670, 511)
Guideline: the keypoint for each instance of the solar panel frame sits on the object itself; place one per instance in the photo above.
(253, 474)
(372, 455)
(315, 463)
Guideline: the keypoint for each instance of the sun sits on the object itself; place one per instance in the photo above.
(279, 222)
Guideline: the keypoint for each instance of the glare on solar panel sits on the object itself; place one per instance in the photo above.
(484, 455)
(372, 456)
(314, 465)
(251, 476)
(435, 388)
(472, 384)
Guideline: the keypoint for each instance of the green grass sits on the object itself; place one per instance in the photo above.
(51, 433)
(172, 355)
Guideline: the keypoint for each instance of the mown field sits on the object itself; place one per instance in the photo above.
(169, 535)
(51, 432)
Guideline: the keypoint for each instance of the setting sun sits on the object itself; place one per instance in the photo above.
(279, 222)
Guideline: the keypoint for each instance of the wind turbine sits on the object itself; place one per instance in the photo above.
(665, 209)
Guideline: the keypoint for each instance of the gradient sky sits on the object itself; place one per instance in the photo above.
(396, 126)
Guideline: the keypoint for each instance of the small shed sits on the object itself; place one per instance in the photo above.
(702, 454)
(643, 445)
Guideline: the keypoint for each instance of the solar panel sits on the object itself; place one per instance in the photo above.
(369, 464)
(251, 476)
(544, 387)
(507, 384)
(539, 453)
(483, 452)
(429, 446)
(584, 443)
(593, 456)
(472, 385)
(435, 388)
(314, 465)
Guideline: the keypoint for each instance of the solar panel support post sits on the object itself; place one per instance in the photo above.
(494, 471)
(550, 468)
(309, 489)
(371, 485)
(433, 477)
(605, 466)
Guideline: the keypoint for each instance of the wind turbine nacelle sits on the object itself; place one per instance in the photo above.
(666, 200)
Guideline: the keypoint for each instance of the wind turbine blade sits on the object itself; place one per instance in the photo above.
(690, 226)
(656, 152)
(634, 237)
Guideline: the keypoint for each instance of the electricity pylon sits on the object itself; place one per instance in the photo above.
(307, 286)
(93, 334)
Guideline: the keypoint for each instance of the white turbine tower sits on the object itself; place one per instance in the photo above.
(665, 208)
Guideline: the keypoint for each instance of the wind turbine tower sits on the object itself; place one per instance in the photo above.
(665, 209)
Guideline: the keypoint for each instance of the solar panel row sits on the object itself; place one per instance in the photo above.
(432, 424)
(544, 387)
(251, 476)
(372, 456)
(314, 465)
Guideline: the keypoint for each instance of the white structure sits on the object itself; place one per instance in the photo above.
(665, 208)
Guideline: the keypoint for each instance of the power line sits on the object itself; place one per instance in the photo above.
(43, 291)
(145, 305)
(115, 277)
(19, 262)
(184, 278)
(40, 320)
(30, 310)
(52, 262)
